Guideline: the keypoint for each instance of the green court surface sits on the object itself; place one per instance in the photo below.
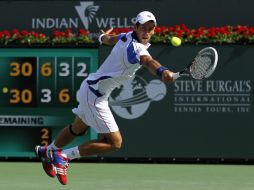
(98, 176)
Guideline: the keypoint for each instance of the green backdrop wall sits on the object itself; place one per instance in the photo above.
(212, 118)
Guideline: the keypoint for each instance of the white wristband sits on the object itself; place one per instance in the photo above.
(175, 75)
(99, 39)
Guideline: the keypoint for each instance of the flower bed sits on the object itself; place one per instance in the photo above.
(57, 37)
(222, 35)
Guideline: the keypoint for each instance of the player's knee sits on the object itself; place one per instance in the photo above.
(116, 146)
(114, 139)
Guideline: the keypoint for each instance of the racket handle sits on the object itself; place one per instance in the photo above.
(176, 75)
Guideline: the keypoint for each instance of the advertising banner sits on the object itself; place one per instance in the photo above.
(211, 118)
(47, 16)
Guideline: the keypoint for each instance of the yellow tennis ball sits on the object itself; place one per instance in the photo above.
(5, 90)
(175, 41)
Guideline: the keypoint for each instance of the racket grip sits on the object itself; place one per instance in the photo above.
(176, 75)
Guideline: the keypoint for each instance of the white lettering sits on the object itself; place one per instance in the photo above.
(49, 23)
(187, 109)
(218, 109)
(73, 23)
(240, 86)
(243, 109)
(63, 24)
(188, 86)
(102, 22)
(114, 22)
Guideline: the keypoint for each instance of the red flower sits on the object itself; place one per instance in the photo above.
(157, 30)
(171, 29)
(68, 30)
(164, 29)
(15, 31)
(57, 33)
(83, 32)
(251, 30)
(24, 33)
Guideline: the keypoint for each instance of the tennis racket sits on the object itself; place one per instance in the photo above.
(203, 65)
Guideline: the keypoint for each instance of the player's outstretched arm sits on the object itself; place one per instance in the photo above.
(157, 69)
(106, 38)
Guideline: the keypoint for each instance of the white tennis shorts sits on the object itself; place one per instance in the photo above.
(94, 110)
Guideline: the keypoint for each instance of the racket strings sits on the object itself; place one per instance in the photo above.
(202, 65)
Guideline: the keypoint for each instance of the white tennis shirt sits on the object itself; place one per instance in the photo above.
(121, 64)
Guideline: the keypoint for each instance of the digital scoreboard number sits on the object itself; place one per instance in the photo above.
(38, 89)
(38, 82)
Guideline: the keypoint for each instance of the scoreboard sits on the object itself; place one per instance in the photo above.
(38, 89)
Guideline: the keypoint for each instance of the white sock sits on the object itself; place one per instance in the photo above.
(72, 153)
(52, 146)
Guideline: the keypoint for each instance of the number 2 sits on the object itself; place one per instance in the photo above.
(45, 133)
(45, 137)
(82, 72)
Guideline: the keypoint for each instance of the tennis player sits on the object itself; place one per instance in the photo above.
(127, 56)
